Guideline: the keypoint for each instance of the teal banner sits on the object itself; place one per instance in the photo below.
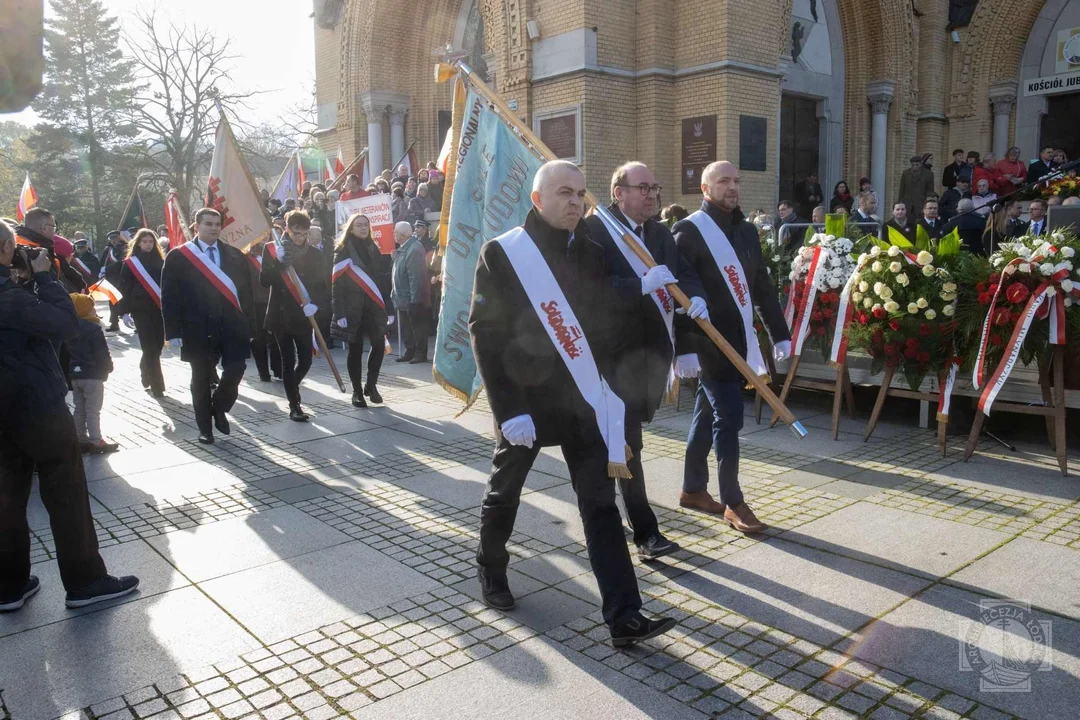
(491, 196)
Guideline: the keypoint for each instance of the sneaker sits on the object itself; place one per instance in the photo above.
(107, 588)
(495, 589)
(28, 591)
(656, 546)
(102, 448)
(639, 628)
(373, 393)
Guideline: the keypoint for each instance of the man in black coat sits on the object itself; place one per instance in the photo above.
(111, 263)
(85, 262)
(206, 302)
(930, 222)
(970, 226)
(38, 433)
(537, 402)
(808, 195)
(643, 366)
(718, 410)
(1041, 167)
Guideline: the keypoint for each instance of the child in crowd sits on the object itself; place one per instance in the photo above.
(90, 367)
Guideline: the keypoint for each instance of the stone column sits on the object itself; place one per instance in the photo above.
(1002, 99)
(374, 112)
(397, 115)
(880, 95)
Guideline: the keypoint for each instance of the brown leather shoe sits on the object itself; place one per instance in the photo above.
(742, 518)
(702, 501)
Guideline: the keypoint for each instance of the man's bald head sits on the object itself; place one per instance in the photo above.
(720, 184)
(559, 194)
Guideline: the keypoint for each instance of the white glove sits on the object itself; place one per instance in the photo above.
(656, 278)
(101, 273)
(519, 431)
(687, 366)
(698, 309)
(129, 323)
(389, 319)
(343, 322)
(782, 350)
(310, 310)
(176, 343)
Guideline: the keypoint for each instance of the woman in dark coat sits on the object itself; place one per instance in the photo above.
(140, 284)
(361, 312)
(841, 197)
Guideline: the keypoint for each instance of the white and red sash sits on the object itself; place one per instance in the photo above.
(149, 284)
(82, 267)
(256, 262)
(215, 275)
(731, 269)
(562, 326)
(290, 277)
(352, 271)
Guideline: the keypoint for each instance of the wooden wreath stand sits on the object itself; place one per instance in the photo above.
(888, 391)
(1054, 411)
(840, 388)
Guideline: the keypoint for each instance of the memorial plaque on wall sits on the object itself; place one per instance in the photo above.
(559, 133)
(753, 142)
(698, 150)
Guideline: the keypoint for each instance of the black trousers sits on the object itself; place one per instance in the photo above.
(114, 315)
(414, 330)
(608, 554)
(224, 395)
(263, 347)
(640, 515)
(295, 362)
(151, 330)
(373, 333)
(48, 444)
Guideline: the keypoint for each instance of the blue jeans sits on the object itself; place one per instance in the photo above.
(718, 418)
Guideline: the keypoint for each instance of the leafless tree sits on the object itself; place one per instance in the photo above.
(185, 70)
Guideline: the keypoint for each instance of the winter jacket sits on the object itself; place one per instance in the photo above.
(90, 359)
(32, 326)
(136, 298)
(350, 300)
(284, 314)
(411, 286)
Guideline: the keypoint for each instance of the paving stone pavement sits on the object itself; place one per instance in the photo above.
(327, 570)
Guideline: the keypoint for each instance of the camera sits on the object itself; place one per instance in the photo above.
(24, 255)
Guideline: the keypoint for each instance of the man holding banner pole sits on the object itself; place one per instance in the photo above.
(723, 249)
(643, 372)
(542, 332)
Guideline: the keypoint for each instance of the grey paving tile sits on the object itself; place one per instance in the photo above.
(153, 486)
(303, 492)
(137, 460)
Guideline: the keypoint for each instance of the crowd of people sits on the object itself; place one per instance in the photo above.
(971, 187)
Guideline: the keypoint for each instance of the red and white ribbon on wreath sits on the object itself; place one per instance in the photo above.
(789, 307)
(979, 377)
(805, 308)
(1045, 293)
(846, 311)
(945, 393)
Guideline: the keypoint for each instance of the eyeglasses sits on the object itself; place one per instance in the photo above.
(644, 189)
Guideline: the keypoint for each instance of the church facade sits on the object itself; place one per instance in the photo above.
(843, 88)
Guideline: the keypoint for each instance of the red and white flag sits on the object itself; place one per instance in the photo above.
(331, 176)
(105, 290)
(339, 163)
(301, 177)
(231, 191)
(28, 198)
(412, 162)
(173, 224)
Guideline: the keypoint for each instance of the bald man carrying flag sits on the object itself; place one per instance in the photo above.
(540, 325)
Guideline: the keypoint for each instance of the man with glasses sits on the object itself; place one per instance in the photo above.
(643, 370)
(37, 230)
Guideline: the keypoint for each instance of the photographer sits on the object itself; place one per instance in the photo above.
(37, 432)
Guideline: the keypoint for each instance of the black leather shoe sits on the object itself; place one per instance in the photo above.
(358, 400)
(418, 360)
(296, 414)
(221, 423)
(264, 378)
(495, 589)
(107, 588)
(206, 438)
(405, 358)
(7, 604)
(373, 393)
(657, 546)
(639, 628)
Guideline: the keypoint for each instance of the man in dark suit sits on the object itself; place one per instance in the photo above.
(955, 170)
(206, 302)
(643, 364)
(901, 222)
(785, 214)
(112, 261)
(808, 194)
(723, 249)
(864, 213)
(1041, 167)
(535, 394)
(952, 197)
(1037, 213)
(930, 222)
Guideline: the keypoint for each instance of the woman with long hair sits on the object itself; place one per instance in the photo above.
(361, 304)
(140, 284)
(841, 197)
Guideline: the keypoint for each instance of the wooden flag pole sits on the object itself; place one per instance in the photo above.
(291, 271)
(733, 356)
(339, 181)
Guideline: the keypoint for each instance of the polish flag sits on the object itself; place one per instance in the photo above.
(339, 163)
(28, 198)
(301, 178)
(105, 290)
(331, 176)
(173, 224)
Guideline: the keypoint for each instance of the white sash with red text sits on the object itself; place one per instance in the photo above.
(562, 326)
(290, 277)
(149, 284)
(352, 271)
(217, 277)
(731, 269)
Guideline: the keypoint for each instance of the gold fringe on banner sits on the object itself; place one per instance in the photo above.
(458, 116)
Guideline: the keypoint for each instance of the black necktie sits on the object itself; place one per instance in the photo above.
(639, 231)
(570, 246)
